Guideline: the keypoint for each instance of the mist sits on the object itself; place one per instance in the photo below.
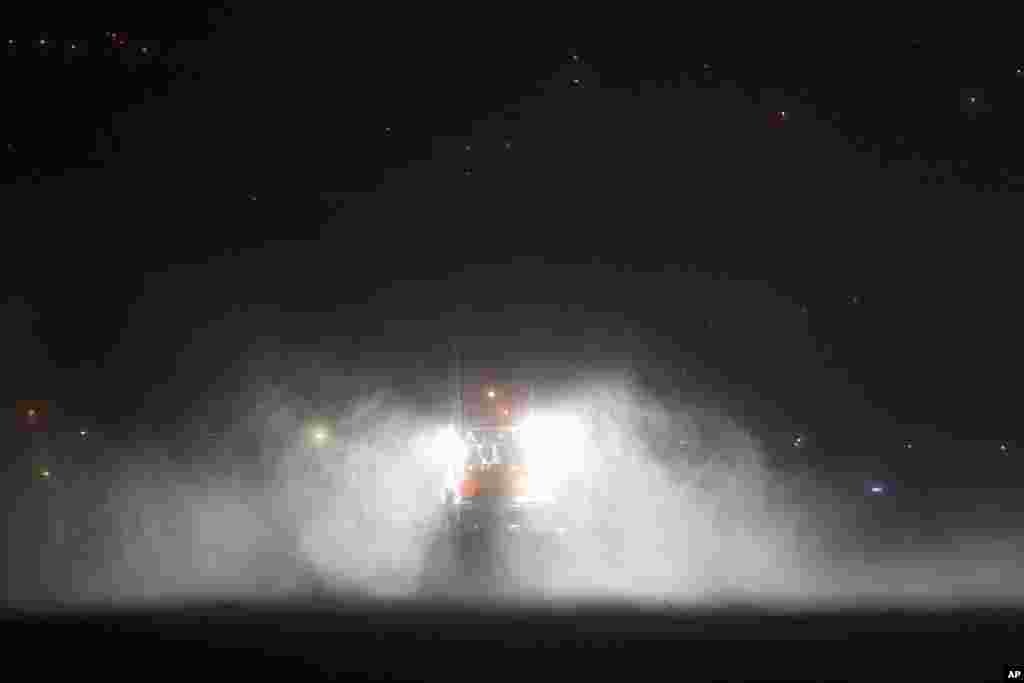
(680, 506)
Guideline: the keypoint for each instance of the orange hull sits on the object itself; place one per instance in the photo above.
(494, 480)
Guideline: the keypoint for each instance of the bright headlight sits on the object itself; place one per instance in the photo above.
(553, 434)
(554, 450)
(447, 449)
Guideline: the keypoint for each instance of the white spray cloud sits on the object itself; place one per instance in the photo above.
(677, 504)
(663, 521)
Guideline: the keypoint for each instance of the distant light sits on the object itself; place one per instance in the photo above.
(490, 393)
(42, 41)
(973, 99)
(82, 432)
(468, 148)
(876, 489)
(31, 412)
(320, 435)
(145, 50)
(1002, 447)
(44, 473)
(909, 445)
(506, 412)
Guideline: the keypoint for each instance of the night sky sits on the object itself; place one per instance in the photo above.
(814, 235)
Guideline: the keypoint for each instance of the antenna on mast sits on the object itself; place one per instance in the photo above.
(457, 393)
